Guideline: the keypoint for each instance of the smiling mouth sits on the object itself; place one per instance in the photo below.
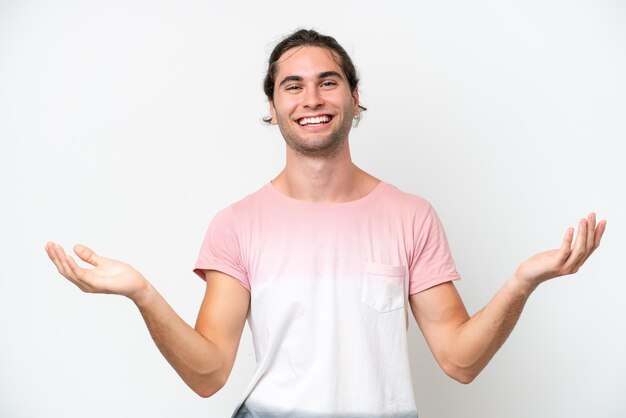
(315, 121)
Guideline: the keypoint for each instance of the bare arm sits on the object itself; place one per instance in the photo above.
(203, 357)
(464, 345)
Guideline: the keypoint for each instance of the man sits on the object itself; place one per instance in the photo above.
(324, 262)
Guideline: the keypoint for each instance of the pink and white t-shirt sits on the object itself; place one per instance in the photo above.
(329, 286)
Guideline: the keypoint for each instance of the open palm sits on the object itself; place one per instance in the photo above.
(566, 260)
(107, 276)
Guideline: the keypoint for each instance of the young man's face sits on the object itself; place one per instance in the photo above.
(313, 105)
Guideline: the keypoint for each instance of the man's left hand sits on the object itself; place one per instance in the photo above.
(565, 260)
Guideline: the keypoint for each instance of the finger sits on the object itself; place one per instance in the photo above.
(78, 271)
(566, 245)
(591, 230)
(87, 255)
(66, 265)
(598, 235)
(62, 257)
(51, 250)
(48, 247)
(83, 277)
(596, 238)
(77, 275)
(578, 249)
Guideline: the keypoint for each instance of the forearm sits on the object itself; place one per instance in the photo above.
(195, 358)
(475, 342)
(463, 345)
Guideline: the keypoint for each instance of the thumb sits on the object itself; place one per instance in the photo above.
(87, 255)
(566, 245)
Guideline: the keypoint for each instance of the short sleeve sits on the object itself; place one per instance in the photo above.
(432, 262)
(221, 250)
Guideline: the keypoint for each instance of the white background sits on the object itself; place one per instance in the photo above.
(126, 125)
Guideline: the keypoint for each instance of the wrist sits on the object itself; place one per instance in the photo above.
(521, 287)
(143, 294)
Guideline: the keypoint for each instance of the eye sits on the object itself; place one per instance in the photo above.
(292, 87)
(328, 83)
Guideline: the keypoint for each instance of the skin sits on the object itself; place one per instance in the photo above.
(301, 92)
(318, 165)
(464, 345)
(319, 168)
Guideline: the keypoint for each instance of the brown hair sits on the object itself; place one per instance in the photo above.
(309, 37)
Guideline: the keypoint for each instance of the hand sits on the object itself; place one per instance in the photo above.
(567, 259)
(108, 276)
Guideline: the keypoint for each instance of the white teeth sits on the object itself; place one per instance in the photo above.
(318, 119)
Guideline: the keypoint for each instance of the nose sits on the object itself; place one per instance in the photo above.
(312, 99)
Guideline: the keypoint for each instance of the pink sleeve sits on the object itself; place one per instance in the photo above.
(221, 251)
(432, 263)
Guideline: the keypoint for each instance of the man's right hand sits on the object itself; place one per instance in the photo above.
(204, 356)
(107, 276)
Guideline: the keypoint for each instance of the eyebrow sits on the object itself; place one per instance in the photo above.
(321, 75)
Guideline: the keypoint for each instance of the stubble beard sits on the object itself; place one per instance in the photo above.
(317, 147)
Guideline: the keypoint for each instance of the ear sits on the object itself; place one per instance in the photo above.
(273, 113)
(355, 98)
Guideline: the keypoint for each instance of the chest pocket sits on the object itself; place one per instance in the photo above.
(383, 287)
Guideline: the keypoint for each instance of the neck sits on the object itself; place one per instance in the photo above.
(328, 179)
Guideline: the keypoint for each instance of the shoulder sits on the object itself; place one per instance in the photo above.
(244, 206)
(400, 199)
